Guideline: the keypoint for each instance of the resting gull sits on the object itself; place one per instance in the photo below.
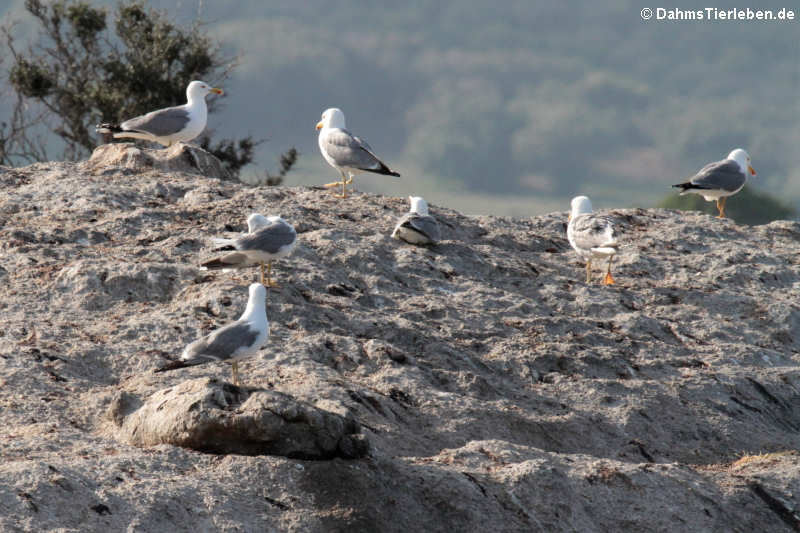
(417, 226)
(591, 235)
(232, 342)
(718, 180)
(170, 125)
(268, 239)
(345, 152)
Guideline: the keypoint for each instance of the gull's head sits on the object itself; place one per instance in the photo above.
(258, 294)
(256, 221)
(743, 159)
(199, 89)
(580, 205)
(418, 205)
(331, 118)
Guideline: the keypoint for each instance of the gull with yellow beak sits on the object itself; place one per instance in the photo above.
(345, 152)
(169, 125)
(591, 236)
(718, 180)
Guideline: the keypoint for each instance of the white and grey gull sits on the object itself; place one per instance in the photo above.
(591, 236)
(345, 152)
(718, 180)
(232, 342)
(417, 226)
(268, 239)
(169, 125)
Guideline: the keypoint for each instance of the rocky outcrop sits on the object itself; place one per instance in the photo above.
(180, 157)
(215, 417)
(497, 391)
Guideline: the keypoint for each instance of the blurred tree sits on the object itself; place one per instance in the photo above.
(287, 161)
(746, 207)
(80, 73)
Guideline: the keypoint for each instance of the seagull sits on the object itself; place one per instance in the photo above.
(345, 152)
(235, 341)
(591, 235)
(417, 226)
(232, 342)
(718, 180)
(268, 239)
(170, 125)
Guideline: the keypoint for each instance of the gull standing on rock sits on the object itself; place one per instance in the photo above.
(170, 125)
(718, 180)
(268, 239)
(417, 226)
(345, 152)
(232, 342)
(591, 235)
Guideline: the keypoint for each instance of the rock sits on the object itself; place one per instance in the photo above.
(209, 416)
(496, 390)
(178, 157)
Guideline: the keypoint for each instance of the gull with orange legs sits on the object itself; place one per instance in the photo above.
(591, 236)
(345, 152)
(718, 180)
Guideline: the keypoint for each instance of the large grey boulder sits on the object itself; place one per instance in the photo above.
(181, 157)
(210, 416)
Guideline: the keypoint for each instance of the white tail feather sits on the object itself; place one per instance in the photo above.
(222, 242)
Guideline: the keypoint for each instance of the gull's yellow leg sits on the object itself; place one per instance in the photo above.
(588, 270)
(262, 273)
(609, 280)
(344, 189)
(721, 206)
(235, 372)
(270, 283)
(336, 183)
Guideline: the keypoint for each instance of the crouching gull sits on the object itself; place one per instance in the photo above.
(718, 180)
(345, 152)
(591, 235)
(268, 239)
(417, 226)
(232, 342)
(170, 125)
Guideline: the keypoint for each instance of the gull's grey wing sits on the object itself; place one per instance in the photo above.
(220, 344)
(271, 239)
(159, 123)
(349, 151)
(424, 224)
(721, 175)
(592, 231)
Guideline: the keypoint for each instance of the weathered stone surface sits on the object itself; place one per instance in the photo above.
(181, 157)
(497, 391)
(215, 417)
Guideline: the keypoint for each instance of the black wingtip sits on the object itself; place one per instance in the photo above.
(683, 186)
(172, 365)
(226, 248)
(107, 127)
(383, 169)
